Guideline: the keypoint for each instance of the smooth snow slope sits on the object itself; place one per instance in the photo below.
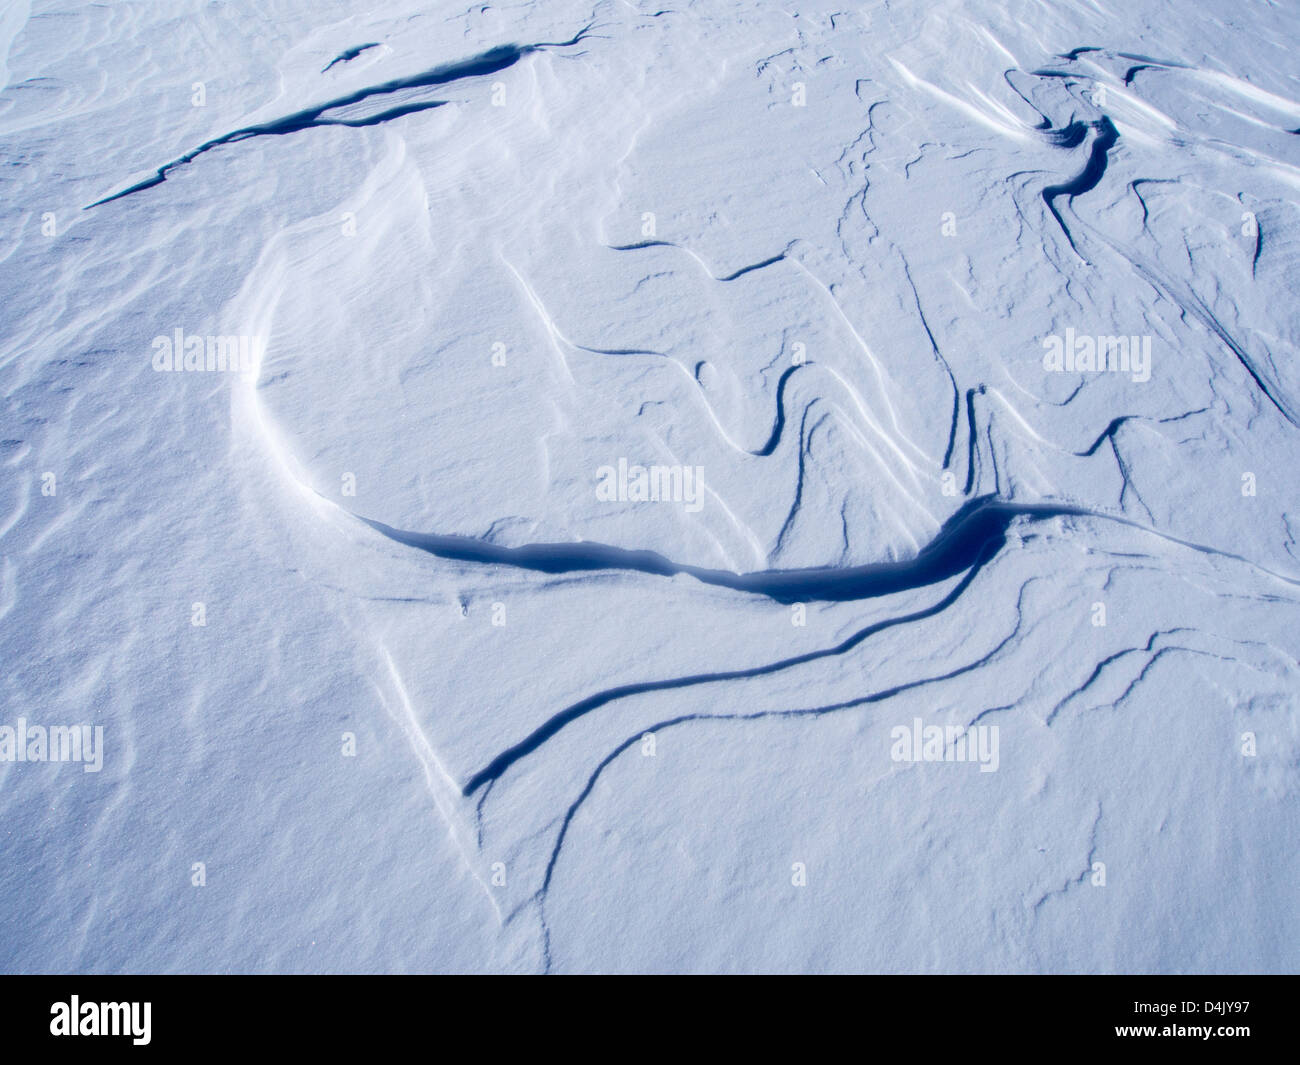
(459, 699)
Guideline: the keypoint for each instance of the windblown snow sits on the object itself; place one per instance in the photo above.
(702, 488)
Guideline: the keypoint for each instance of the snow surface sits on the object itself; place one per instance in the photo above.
(867, 219)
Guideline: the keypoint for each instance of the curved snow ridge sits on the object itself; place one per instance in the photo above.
(493, 61)
(1104, 137)
(557, 338)
(878, 696)
(988, 112)
(539, 736)
(642, 245)
(1094, 169)
(1193, 306)
(967, 539)
(910, 460)
(349, 54)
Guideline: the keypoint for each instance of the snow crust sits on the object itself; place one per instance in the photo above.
(809, 263)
